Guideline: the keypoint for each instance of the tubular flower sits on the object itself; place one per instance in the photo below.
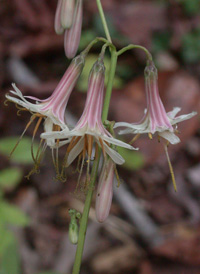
(73, 35)
(156, 120)
(89, 128)
(52, 109)
(64, 15)
(105, 191)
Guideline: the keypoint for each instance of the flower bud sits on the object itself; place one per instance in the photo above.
(105, 191)
(67, 13)
(73, 35)
(73, 232)
(57, 24)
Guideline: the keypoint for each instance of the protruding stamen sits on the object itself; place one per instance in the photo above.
(103, 148)
(150, 136)
(171, 168)
(34, 133)
(134, 139)
(117, 176)
(85, 146)
(81, 170)
(27, 126)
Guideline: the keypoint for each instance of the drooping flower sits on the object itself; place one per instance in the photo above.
(89, 129)
(64, 15)
(52, 109)
(156, 119)
(105, 191)
(73, 35)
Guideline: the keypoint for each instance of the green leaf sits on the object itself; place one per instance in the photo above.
(10, 214)
(83, 80)
(6, 238)
(10, 177)
(22, 154)
(10, 261)
(133, 159)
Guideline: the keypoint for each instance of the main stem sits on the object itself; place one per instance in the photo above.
(103, 19)
(84, 219)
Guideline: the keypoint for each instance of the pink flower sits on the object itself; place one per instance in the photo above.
(89, 128)
(105, 191)
(52, 109)
(155, 119)
(73, 35)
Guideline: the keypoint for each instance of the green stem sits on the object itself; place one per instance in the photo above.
(129, 47)
(110, 84)
(84, 219)
(91, 44)
(103, 19)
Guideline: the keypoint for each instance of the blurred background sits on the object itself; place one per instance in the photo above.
(151, 229)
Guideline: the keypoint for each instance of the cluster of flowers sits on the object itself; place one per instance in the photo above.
(89, 135)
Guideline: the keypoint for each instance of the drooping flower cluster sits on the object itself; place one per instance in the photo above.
(90, 136)
(68, 19)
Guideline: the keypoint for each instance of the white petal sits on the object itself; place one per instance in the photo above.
(118, 142)
(126, 131)
(173, 113)
(114, 155)
(122, 124)
(170, 136)
(48, 127)
(75, 151)
(64, 134)
(183, 117)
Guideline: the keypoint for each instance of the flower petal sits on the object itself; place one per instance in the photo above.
(114, 155)
(183, 117)
(118, 143)
(173, 113)
(170, 136)
(75, 151)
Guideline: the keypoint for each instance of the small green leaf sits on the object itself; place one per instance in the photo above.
(10, 261)
(10, 214)
(22, 154)
(133, 159)
(10, 177)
